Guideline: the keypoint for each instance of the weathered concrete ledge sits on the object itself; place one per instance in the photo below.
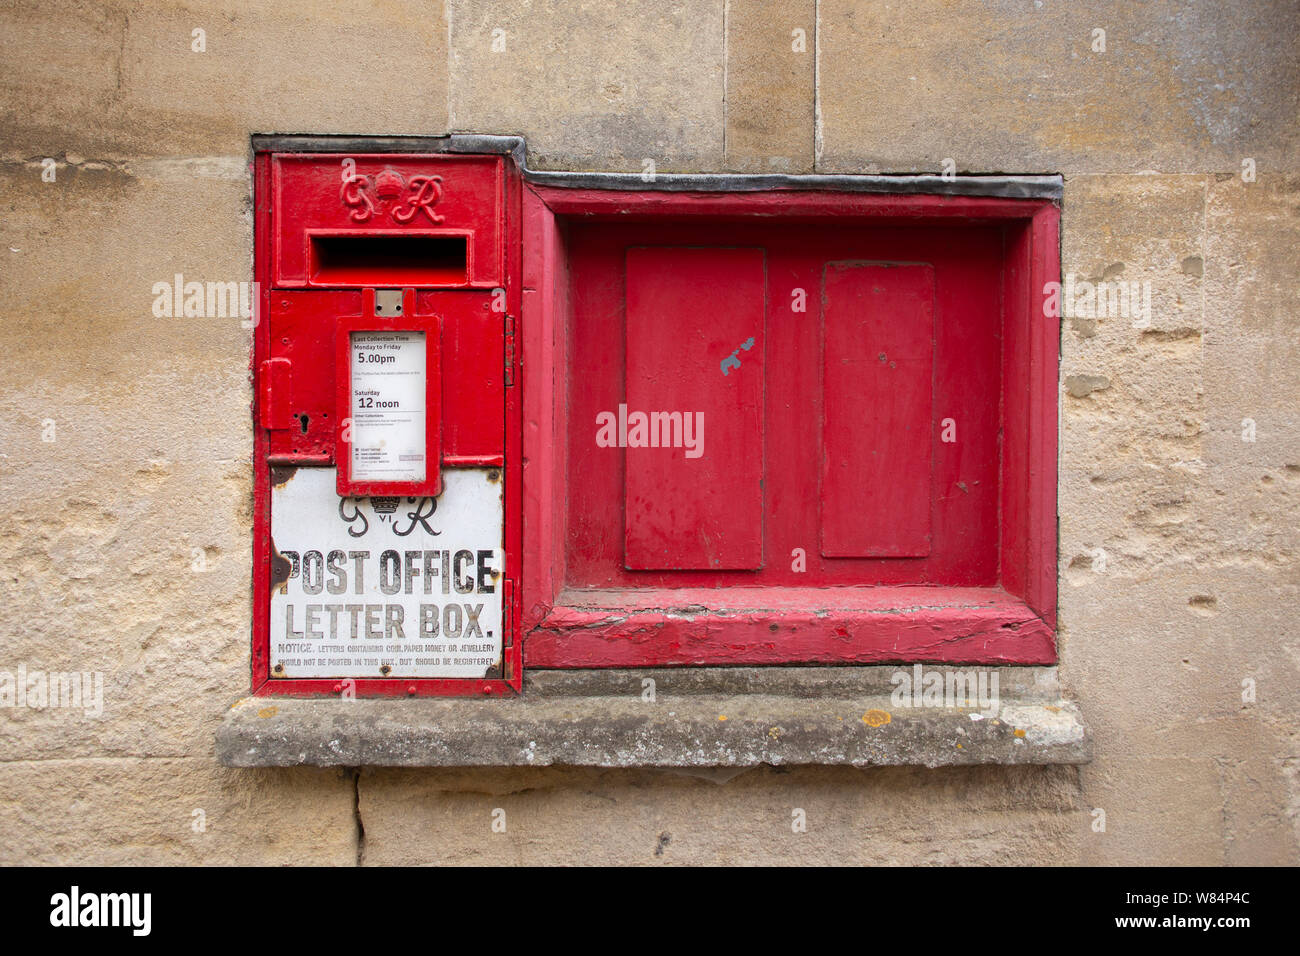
(728, 717)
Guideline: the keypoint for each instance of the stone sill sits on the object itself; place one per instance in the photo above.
(701, 718)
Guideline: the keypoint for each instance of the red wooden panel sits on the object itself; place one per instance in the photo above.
(1017, 327)
(695, 319)
(788, 205)
(722, 626)
(301, 331)
(473, 374)
(544, 307)
(1044, 369)
(878, 385)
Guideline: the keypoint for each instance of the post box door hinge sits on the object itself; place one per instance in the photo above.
(508, 613)
(510, 350)
(275, 400)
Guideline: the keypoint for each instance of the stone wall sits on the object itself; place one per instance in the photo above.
(125, 438)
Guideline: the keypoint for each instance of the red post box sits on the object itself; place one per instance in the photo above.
(387, 529)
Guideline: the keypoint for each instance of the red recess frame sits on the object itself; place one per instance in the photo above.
(1013, 622)
(504, 273)
(408, 321)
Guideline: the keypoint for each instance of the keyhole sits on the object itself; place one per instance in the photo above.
(304, 419)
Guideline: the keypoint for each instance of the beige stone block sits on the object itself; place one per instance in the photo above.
(70, 80)
(1252, 258)
(595, 85)
(1124, 643)
(1154, 470)
(1248, 747)
(125, 440)
(890, 815)
(1141, 235)
(142, 577)
(1132, 415)
(1160, 811)
(771, 74)
(1159, 666)
(1252, 354)
(1016, 87)
(86, 350)
(122, 79)
(1252, 748)
(106, 812)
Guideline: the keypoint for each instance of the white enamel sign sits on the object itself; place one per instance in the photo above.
(387, 586)
(388, 391)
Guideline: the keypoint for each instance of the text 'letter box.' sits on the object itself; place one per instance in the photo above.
(387, 484)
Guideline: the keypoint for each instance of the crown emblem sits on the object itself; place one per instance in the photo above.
(389, 185)
(384, 504)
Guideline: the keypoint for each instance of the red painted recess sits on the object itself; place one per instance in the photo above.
(906, 504)
(445, 229)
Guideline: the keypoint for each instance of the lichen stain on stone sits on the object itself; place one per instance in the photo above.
(876, 718)
(268, 712)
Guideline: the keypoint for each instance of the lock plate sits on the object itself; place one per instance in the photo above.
(388, 302)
